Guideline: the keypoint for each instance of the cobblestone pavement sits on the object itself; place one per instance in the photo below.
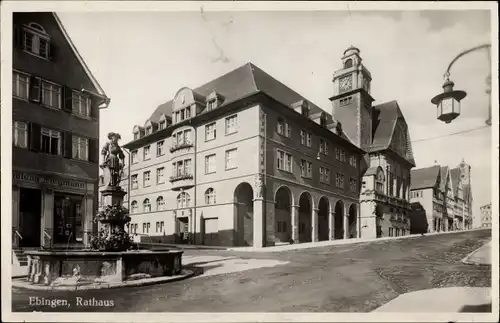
(346, 278)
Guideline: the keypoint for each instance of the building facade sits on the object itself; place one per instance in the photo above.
(55, 153)
(486, 216)
(439, 199)
(243, 161)
(427, 200)
(382, 132)
(465, 177)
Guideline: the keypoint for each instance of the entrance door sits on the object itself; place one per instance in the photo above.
(68, 226)
(211, 232)
(183, 229)
(30, 215)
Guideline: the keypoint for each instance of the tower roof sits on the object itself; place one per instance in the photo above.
(351, 50)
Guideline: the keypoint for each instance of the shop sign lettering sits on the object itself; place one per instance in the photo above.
(48, 181)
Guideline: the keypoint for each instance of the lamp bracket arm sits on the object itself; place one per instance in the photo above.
(465, 52)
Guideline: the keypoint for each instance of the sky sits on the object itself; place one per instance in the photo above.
(141, 59)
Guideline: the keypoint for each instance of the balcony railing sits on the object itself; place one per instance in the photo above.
(181, 146)
(180, 177)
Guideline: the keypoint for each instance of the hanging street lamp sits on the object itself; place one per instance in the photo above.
(448, 102)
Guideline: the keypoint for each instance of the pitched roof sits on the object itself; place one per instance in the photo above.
(424, 177)
(444, 172)
(455, 179)
(385, 119)
(242, 82)
(96, 84)
(385, 116)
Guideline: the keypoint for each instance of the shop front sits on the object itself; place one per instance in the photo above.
(51, 211)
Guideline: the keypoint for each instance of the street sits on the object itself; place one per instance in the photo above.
(345, 278)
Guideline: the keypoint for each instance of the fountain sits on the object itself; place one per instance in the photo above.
(113, 258)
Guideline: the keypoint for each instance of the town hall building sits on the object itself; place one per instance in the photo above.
(246, 161)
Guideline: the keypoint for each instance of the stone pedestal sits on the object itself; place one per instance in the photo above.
(113, 195)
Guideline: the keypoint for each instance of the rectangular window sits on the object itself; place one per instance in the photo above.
(135, 181)
(353, 161)
(323, 147)
(337, 154)
(210, 131)
(302, 137)
(353, 184)
(305, 168)
(160, 175)
(339, 180)
(308, 139)
(137, 135)
(324, 175)
(51, 141)
(80, 148)
(284, 160)
(81, 104)
(391, 232)
(51, 95)
(160, 151)
(210, 166)
(187, 167)
(163, 124)
(20, 85)
(36, 43)
(147, 178)
(346, 101)
(231, 158)
(147, 152)
(20, 134)
(135, 157)
(343, 158)
(231, 124)
(284, 128)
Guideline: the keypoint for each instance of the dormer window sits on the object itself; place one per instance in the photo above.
(163, 124)
(36, 40)
(149, 130)
(322, 120)
(212, 104)
(348, 63)
(305, 111)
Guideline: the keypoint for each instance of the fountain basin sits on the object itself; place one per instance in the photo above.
(75, 268)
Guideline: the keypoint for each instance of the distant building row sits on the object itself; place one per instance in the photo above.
(441, 199)
(486, 216)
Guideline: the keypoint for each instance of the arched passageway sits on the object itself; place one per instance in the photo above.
(305, 217)
(243, 212)
(283, 215)
(323, 214)
(339, 220)
(353, 222)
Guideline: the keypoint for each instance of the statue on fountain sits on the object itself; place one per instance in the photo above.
(113, 160)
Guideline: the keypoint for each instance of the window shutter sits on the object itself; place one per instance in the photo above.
(52, 50)
(35, 88)
(68, 145)
(93, 150)
(68, 99)
(35, 136)
(94, 108)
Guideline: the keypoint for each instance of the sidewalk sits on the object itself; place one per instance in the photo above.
(481, 256)
(444, 300)
(306, 245)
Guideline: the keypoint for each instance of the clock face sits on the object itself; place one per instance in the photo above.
(345, 83)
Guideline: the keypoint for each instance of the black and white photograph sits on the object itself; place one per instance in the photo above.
(239, 161)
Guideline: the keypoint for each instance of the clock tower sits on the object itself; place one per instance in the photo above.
(465, 172)
(351, 100)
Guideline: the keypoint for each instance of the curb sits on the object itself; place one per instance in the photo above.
(328, 243)
(134, 283)
(466, 260)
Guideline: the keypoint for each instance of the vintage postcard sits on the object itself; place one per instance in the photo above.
(238, 161)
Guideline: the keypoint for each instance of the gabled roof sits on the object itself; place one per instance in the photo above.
(455, 179)
(96, 84)
(424, 177)
(444, 172)
(385, 120)
(242, 82)
(385, 117)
